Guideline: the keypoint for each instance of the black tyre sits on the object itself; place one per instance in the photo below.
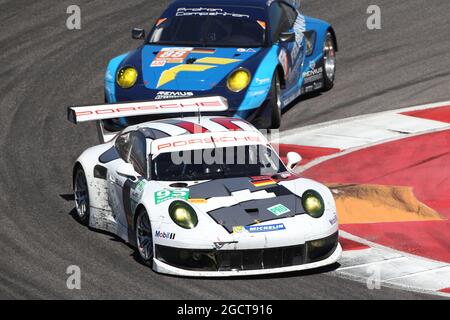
(144, 238)
(329, 62)
(275, 102)
(81, 191)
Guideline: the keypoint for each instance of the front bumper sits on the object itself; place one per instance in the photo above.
(224, 263)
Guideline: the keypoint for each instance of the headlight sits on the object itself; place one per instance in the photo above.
(239, 80)
(313, 203)
(126, 77)
(183, 215)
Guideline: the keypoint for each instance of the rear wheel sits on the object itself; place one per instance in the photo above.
(81, 196)
(144, 238)
(329, 62)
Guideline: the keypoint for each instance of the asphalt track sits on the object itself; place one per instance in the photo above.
(44, 67)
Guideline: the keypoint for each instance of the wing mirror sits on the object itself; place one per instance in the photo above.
(127, 170)
(287, 36)
(138, 34)
(293, 159)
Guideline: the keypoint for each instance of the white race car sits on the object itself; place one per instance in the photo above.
(202, 196)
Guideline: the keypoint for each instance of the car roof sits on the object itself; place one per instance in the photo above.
(172, 127)
(237, 3)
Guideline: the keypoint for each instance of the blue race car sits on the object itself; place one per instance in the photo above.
(258, 54)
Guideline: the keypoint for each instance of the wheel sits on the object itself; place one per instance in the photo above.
(81, 196)
(329, 62)
(144, 238)
(275, 101)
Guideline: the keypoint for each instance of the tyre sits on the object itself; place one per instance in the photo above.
(275, 101)
(329, 62)
(144, 238)
(81, 191)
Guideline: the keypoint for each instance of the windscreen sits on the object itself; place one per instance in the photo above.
(212, 27)
(216, 163)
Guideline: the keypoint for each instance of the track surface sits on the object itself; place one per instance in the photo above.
(44, 67)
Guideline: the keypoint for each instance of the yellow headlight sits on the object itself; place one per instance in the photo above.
(183, 215)
(239, 80)
(313, 203)
(126, 77)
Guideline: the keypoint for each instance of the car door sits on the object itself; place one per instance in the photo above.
(125, 188)
(116, 181)
(285, 18)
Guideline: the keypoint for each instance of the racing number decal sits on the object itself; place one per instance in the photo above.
(170, 55)
(165, 195)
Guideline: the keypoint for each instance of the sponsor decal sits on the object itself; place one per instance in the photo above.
(333, 220)
(200, 12)
(165, 235)
(318, 85)
(109, 111)
(136, 193)
(166, 195)
(265, 228)
(198, 201)
(187, 141)
(245, 50)
(278, 210)
(158, 63)
(173, 55)
(140, 185)
(257, 93)
(299, 29)
(313, 75)
(238, 229)
(263, 81)
(173, 95)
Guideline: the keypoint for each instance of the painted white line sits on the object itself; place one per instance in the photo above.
(361, 117)
(378, 263)
(357, 132)
(396, 268)
(439, 269)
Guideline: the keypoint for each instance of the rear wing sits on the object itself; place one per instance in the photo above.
(178, 107)
(146, 108)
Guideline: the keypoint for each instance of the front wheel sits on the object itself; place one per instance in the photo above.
(81, 196)
(275, 101)
(144, 238)
(329, 62)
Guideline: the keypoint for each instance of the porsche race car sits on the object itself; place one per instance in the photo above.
(202, 196)
(258, 54)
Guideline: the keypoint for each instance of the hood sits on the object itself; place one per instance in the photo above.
(240, 202)
(189, 69)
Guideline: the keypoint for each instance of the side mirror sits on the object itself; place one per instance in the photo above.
(127, 170)
(293, 159)
(138, 34)
(287, 36)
